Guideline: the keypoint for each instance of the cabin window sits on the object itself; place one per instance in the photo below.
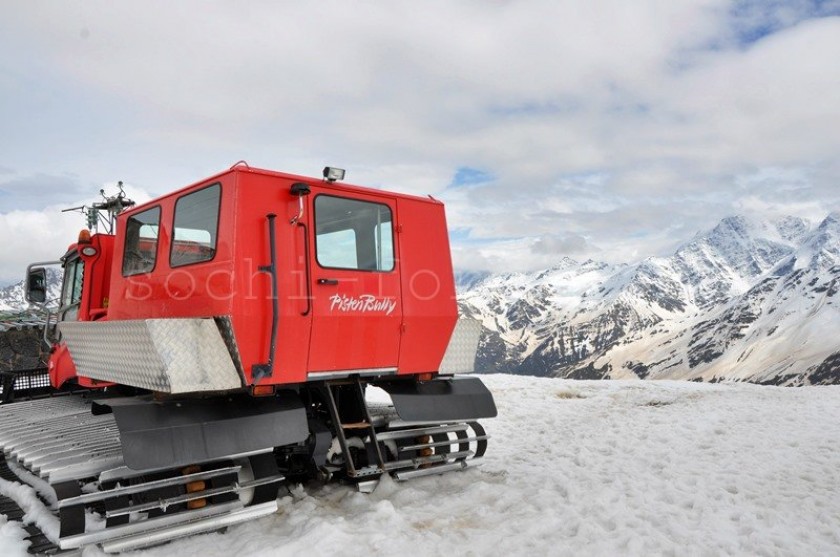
(71, 289)
(353, 234)
(141, 241)
(196, 227)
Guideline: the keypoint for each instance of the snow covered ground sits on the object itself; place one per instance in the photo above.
(586, 468)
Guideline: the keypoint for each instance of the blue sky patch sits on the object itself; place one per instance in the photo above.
(752, 20)
(466, 176)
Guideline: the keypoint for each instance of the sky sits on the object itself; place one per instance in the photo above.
(605, 129)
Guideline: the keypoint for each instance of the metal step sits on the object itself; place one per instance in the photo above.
(353, 471)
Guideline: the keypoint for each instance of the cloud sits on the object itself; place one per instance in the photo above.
(554, 244)
(30, 192)
(621, 123)
(33, 235)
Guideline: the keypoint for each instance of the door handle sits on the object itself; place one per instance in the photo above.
(330, 282)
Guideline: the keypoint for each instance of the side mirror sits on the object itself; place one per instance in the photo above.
(36, 285)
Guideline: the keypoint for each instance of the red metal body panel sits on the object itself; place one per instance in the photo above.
(428, 286)
(258, 195)
(397, 318)
(61, 367)
(201, 290)
(92, 306)
(97, 281)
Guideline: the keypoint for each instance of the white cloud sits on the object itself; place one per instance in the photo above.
(31, 236)
(675, 106)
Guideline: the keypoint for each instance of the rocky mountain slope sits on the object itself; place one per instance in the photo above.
(748, 300)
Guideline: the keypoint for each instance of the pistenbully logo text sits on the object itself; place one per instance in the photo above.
(366, 303)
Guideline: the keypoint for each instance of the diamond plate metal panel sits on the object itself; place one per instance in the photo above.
(463, 346)
(166, 355)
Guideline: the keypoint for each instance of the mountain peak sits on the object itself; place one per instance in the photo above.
(735, 223)
(831, 222)
(821, 249)
(744, 300)
(744, 229)
(792, 229)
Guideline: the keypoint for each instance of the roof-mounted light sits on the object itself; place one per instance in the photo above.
(331, 174)
(84, 236)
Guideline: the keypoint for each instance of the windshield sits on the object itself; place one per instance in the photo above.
(71, 289)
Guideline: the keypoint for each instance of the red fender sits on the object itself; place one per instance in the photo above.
(62, 369)
(61, 366)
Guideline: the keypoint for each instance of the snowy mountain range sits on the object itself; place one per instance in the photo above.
(748, 300)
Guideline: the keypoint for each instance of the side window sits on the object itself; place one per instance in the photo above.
(196, 226)
(71, 288)
(353, 234)
(141, 241)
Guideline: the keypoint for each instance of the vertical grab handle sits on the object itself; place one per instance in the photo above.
(308, 274)
(259, 371)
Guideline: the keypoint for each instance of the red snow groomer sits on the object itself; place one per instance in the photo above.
(225, 334)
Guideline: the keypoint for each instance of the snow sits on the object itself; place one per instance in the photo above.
(11, 538)
(586, 468)
(36, 513)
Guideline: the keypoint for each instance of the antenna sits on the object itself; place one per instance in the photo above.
(104, 212)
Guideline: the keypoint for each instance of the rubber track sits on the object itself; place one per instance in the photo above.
(39, 544)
